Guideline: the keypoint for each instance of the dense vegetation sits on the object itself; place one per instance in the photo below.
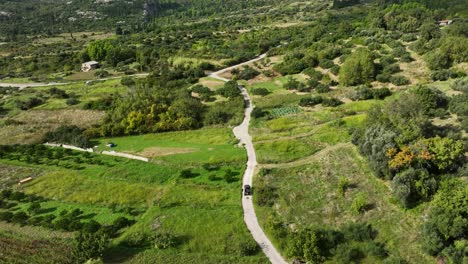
(380, 74)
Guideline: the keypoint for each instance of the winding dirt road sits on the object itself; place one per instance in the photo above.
(242, 133)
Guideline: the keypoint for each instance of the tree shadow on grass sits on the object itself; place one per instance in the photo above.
(87, 216)
(47, 210)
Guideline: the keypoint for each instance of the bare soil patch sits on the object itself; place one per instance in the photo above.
(158, 151)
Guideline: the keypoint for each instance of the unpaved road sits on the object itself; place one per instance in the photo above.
(242, 133)
(22, 86)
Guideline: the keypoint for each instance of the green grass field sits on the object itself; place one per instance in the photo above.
(202, 211)
(305, 156)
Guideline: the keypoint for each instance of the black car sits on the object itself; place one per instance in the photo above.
(247, 190)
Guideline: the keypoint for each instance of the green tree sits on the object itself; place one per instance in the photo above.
(358, 68)
(430, 31)
(446, 152)
(89, 245)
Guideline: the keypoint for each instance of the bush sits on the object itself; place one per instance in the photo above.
(358, 232)
(359, 203)
(331, 102)
(311, 101)
(399, 80)
(322, 88)
(326, 64)
(229, 176)
(247, 247)
(164, 240)
(101, 73)
(260, 91)
(361, 92)
(229, 90)
(186, 173)
(383, 77)
(293, 84)
(30, 103)
(127, 81)
(335, 69)
(19, 218)
(68, 135)
(347, 253)
(358, 68)
(381, 93)
(72, 101)
(258, 113)
(343, 184)
(58, 93)
(89, 245)
(248, 73)
(266, 195)
(443, 75)
(392, 68)
(460, 85)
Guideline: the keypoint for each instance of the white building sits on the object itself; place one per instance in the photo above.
(90, 65)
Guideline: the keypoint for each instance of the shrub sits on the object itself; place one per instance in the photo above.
(326, 64)
(186, 173)
(258, 113)
(89, 245)
(322, 88)
(409, 37)
(293, 84)
(399, 80)
(72, 101)
(260, 91)
(68, 135)
(101, 73)
(122, 222)
(313, 74)
(19, 217)
(331, 102)
(229, 90)
(443, 75)
(358, 68)
(335, 69)
(164, 240)
(347, 253)
(229, 176)
(343, 184)
(248, 73)
(460, 85)
(361, 92)
(58, 93)
(392, 68)
(383, 77)
(30, 103)
(381, 93)
(311, 101)
(127, 81)
(266, 194)
(359, 203)
(247, 247)
(358, 232)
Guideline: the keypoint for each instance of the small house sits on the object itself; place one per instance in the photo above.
(28, 179)
(90, 65)
(445, 22)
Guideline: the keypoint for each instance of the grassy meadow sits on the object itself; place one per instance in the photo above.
(201, 209)
(303, 158)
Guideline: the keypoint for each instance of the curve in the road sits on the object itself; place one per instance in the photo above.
(242, 133)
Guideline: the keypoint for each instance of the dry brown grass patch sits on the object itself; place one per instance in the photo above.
(30, 126)
(152, 152)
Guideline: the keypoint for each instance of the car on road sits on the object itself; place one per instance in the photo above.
(247, 190)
